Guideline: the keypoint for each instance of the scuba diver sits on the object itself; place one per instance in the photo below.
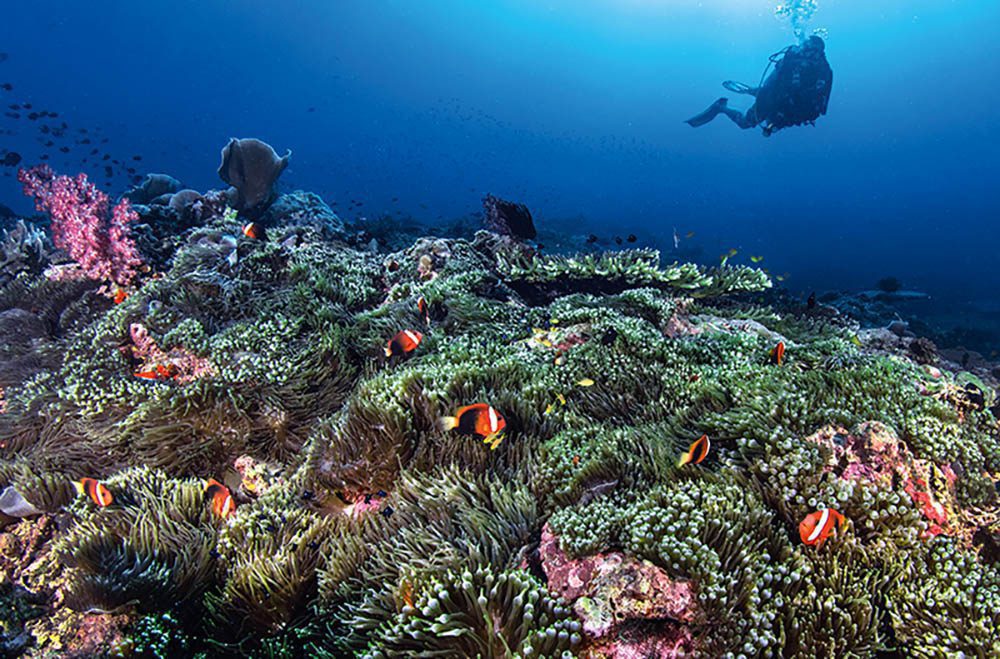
(796, 92)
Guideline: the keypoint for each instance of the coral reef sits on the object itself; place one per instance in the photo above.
(358, 527)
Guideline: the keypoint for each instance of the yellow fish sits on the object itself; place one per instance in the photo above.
(756, 259)
(552, 406)
(585, 382)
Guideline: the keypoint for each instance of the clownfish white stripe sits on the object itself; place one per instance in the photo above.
(494, 422)
(820, 525)
(411, 336)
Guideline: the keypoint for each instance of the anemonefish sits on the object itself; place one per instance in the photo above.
(120, 295)
(479, 420)
(220, 496)
(818, 526)
(253, 231)
(96, 490)
(697, 452)
(403, 343)
(424, 311)
(406, 591)
(777, 354)
(159, 372)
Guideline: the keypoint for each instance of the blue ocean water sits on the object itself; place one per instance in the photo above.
(575, 108)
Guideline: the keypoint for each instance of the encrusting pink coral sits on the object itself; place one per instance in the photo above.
(873, 453)
(185, 365)
(99, 241)
(629, 607)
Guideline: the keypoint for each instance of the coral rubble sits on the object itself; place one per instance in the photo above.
(361, 528)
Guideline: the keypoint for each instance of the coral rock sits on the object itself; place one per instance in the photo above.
(185, 365)
(645, 642)
(613, 594)
(508, 218)
(300, 210)
(873, 453)
(151, 187)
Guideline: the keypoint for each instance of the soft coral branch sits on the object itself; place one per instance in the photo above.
(98, 240)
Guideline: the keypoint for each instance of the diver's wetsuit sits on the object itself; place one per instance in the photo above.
(796, 92)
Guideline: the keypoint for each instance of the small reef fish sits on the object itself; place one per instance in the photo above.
(697, 452)
(403, 343)
(96, 490)
(585, 382)
(160, 372)
(818, 526)
(478, 420)
(120, 295)
(424, 310)
(777, 354)
(222, 499)
(406, 593)
(253, 231)
(552, 406)
(756, 259)
(677, 239)
(811, 301)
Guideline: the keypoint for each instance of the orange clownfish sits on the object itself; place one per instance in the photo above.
(697, 452)
(818, 526)
(160, 372)
(777, 354)
(479, 420)
(222, 499)
(120, 295)
(424, 311)
(253, 231)
(403, 343)
(96, 490)
(406, 591)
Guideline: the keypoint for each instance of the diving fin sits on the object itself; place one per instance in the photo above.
(739, 87)
(709, 114)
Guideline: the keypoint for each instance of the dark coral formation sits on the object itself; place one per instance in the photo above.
(252, 167)
(508, 218)
(363, 529)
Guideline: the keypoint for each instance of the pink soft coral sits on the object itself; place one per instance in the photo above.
(99, 241)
